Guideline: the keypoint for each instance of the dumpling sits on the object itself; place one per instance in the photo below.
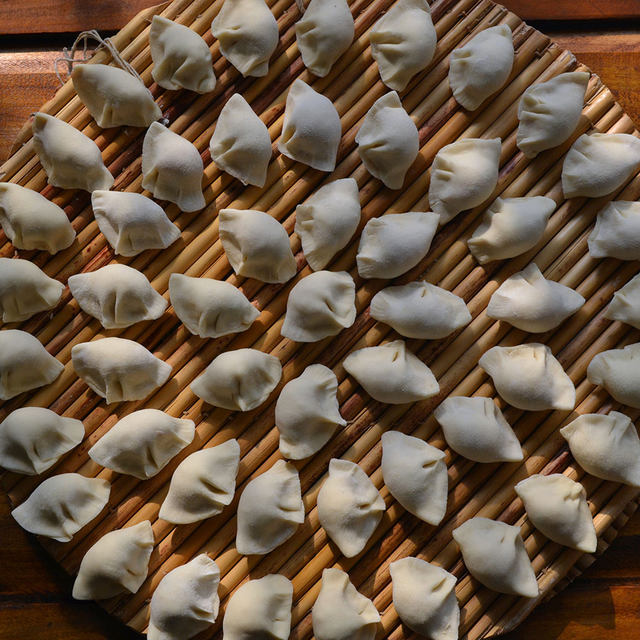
(557, 506)
(390, 373)
(416, 475)
(307, 412)
(117, 295)
(116, 563)
(530, 302)
(118, 369)
(463, 175)
(529, 377)
(481, 66)
(202, 485)
(549, 112)
(598, 164)
(388, 141)
(625, 305)
(31, 221)
(70, 159)
(132, 223)
(340, 612)
(142, 443)
(320, 305)
(24, 364)
(248, 35)
(476, 429)
(25, 290)
(605, 446)
(238, 380)
(61, 505)
(270, 510)
(403, 42)
(311, 128)
(257, 245)
(323, 34)
(33, 439)
(617, 232)
(241, 144)
(420, 310)
(181, 57)
(618, 371)
(327, 220)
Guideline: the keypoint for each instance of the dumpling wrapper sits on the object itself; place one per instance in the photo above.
(625, 305)
(617, 232)
(618, 371)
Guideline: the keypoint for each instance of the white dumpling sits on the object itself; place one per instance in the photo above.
(420, 310)
(625, 305)
(529, 377)
(618, 371)
(257, 245)
(202, 485)
(142, 443)
(116, 563)
(307, 412)
(118, 369)
(31, 221)
(390, 373)
(549, 112)
(416, 475)
(270, 510)
(476, 429)
(530, 302)
(617, 232)
(181, 57)
(70, 159)
(241, 144)
(557, 506)
(388, 141)
(605, 446)
(24, 364)
(327, 220)
(61, 505)
(481, 66)
(599, 163)
(33, 439)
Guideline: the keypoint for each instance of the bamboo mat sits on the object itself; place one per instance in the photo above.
(474, 489)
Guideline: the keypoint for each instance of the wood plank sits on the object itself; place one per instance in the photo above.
(572, 10)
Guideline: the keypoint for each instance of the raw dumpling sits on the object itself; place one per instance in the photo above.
(241, 144)
(476, 429)
(116, 563)
(61, 505)
(24, 364)
(481, 66)
(142, 443)
(70, 159)
(599, 164)
(320, 305)
(416, 475)
(394, 243)
(311, 128)
(532, 303)
(239, 380)
(269, 510)
(618, 371)
(118, 369)
(257, 245)
(31, 221)
(248, 35)
(181, 57)
(529, 377)
(390, 373)
(420, 310)
(117, 295)
(557, 506)
(33, 439)
(549, 112)
(327, 220)
(202, 485)
(617, 232)
(625, 305)
(307, 412)
(388, 141)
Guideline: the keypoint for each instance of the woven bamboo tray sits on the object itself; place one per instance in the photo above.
(475, 489)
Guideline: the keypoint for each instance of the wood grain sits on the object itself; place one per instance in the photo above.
(574, 9)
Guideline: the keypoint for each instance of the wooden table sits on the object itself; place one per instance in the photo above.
(35, 600)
